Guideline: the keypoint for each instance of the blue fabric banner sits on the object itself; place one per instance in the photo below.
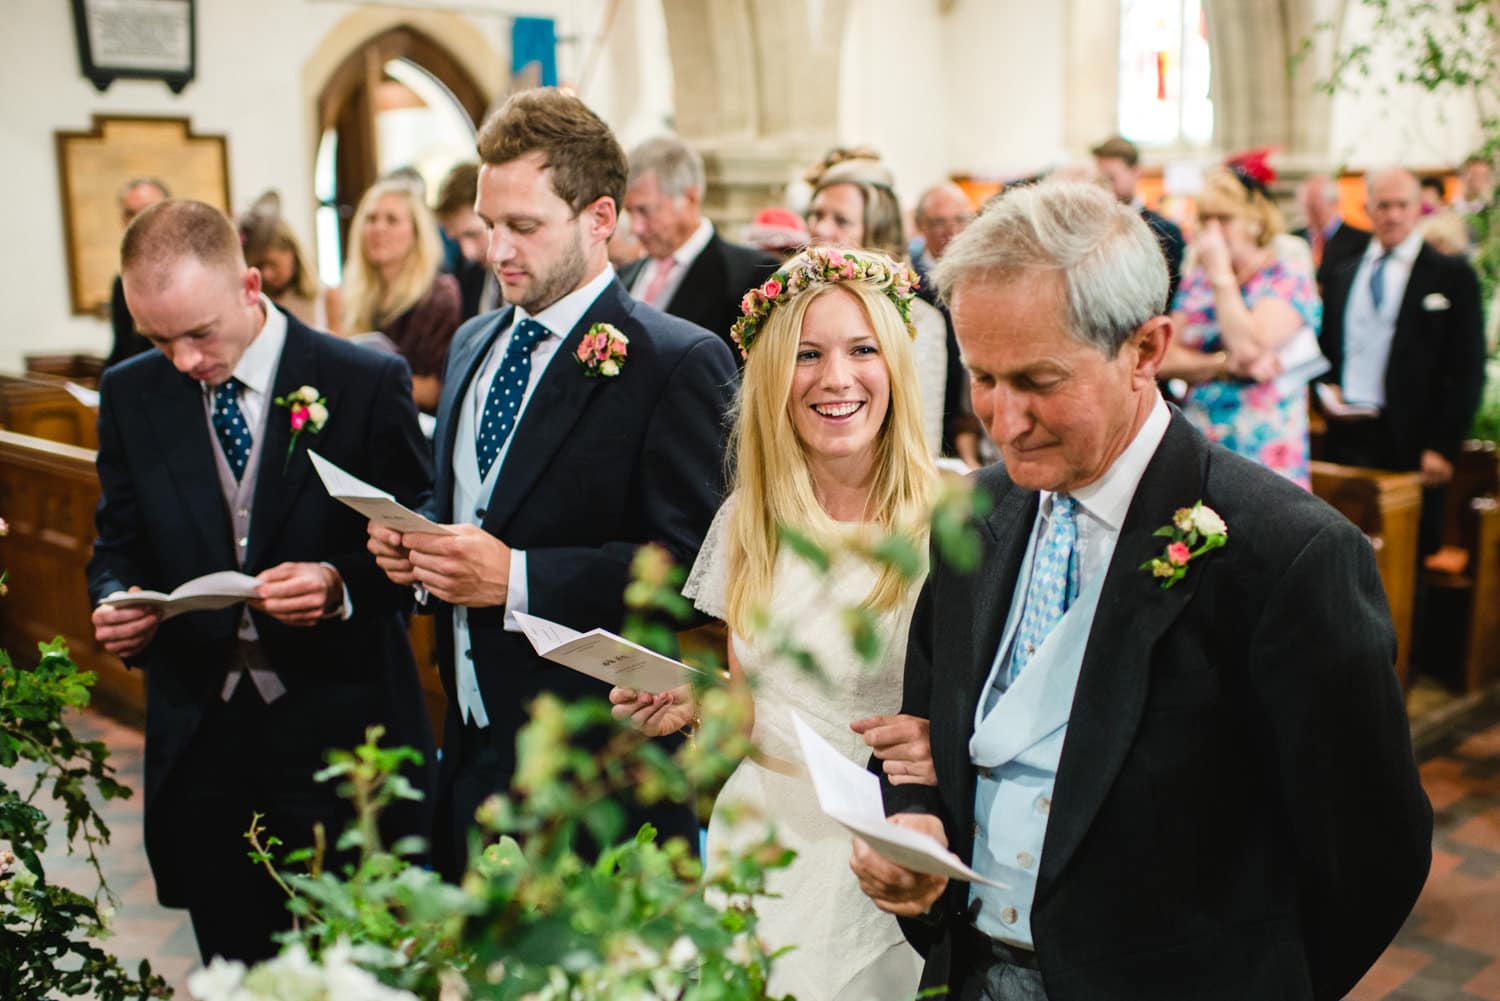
(534, 40)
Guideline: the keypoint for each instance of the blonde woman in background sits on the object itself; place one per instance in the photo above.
(827, 440)
(1243, 298)
(392, 284)
(854, 204)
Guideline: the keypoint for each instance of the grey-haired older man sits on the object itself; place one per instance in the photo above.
(690, 270)
(1189, 767)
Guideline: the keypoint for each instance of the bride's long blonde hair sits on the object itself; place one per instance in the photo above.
(769, 473)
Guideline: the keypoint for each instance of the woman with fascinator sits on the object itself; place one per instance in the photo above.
(1247, 305)
(827, 440)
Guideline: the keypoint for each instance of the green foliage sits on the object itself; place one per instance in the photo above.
(534, 918)
(47, 931)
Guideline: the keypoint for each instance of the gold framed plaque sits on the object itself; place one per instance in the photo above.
(92, 168)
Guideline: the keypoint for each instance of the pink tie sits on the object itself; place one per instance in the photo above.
(664, 269)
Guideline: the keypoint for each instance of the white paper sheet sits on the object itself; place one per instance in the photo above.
(207, 593)
(851, 795)
(1301, 360)
(83, 394)
(1334, 405)
(370, 501)
(601, 654)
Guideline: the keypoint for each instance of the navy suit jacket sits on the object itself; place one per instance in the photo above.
(162, 521)
(1435, 376)
(1237, 812)
(597, 467)
(718, 279)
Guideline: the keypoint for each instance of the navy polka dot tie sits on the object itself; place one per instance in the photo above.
(229, 422)
(506, 390)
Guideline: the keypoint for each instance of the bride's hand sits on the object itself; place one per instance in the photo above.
(654, 715)
(901, 744)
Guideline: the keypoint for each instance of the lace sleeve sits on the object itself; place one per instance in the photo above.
(707, 581)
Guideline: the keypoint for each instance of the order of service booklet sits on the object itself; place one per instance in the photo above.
(850, 795)
(371, 501)
(601, 654)
(208, 593)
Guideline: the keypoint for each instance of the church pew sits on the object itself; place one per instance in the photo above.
(1463, 577)
(48, 492)
(44, 409)
(83, 369)
(1387, 507)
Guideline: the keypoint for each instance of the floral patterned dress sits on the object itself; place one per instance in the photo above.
(1256, 420)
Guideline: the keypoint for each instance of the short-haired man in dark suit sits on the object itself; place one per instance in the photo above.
(1333, 241)
(553, 469)
(137, 195)
(1404, 333)
(1189, 767)
(455, 213)
(1119, 163)
(689, 271)
(202, 469)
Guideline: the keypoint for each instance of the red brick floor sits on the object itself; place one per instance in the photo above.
(1449, 949)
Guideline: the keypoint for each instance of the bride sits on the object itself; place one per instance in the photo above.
(828, 441)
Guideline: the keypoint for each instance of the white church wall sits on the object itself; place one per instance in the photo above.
(258, 70)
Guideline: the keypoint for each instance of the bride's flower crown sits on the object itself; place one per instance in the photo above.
(824, 266)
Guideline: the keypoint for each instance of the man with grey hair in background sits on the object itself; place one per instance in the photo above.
(689, 271)
(1173, 789)
(136, 196)
(1332, 240)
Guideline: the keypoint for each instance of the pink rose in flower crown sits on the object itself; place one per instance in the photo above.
(771, 289)
(602, 350)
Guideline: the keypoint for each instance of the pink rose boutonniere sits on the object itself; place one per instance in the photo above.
(1194, 531)
(602, 351)
(309, 412)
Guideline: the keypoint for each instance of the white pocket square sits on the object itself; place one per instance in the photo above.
(1435, 301)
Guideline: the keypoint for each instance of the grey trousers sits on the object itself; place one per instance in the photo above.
(997, 972)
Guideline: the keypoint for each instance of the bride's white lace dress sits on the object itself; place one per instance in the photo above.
(846, 949)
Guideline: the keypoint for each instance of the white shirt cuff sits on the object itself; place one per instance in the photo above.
(346, 612)
(516, 599)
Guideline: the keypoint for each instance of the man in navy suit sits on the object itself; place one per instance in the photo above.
(1189, 767)
(200, 470)
(553, 470)
(1403, 330)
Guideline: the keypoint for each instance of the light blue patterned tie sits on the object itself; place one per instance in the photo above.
(506, 390)
(1053, 586)
(229, 422)
(1377, 281)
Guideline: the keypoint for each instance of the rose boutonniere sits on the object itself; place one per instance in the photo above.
(1194, 531)
(309, 413)
(602, 350)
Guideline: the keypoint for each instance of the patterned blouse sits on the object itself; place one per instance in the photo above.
(1256, 420)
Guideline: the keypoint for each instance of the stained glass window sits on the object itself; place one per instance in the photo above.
(1164, 73)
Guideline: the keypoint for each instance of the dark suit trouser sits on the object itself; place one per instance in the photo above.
(234, 767)
(987, 970)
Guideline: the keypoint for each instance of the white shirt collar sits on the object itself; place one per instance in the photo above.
(563, 315)
(257, 367)
(1108, 498)
(694, 244)
(1406, 251)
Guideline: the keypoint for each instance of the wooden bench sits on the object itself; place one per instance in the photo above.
(83, 369)
(1387, 507)
(44, 409)
(1463, 577)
